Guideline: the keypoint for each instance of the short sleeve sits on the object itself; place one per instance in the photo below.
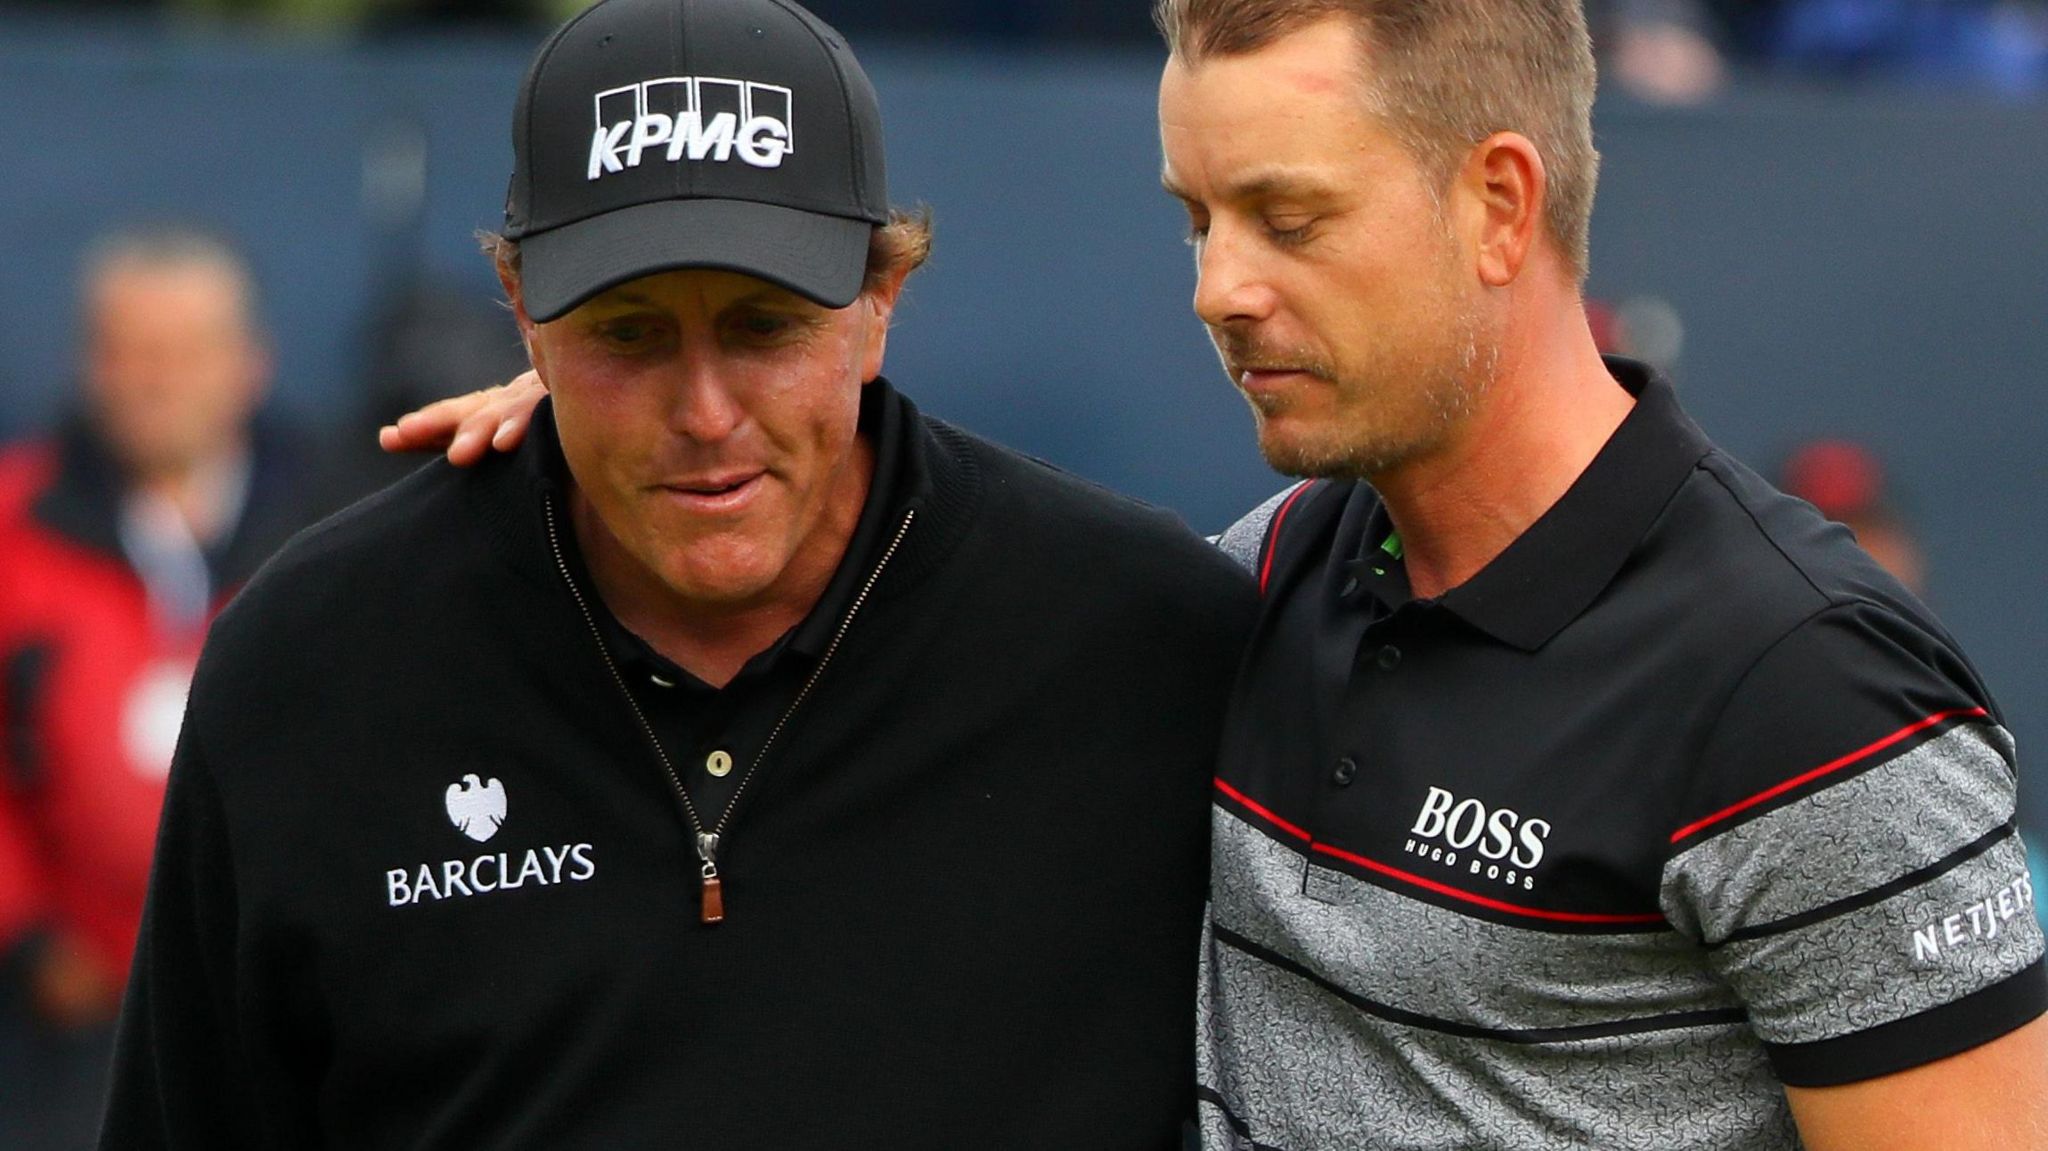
(1244, 540)
(1848, 854)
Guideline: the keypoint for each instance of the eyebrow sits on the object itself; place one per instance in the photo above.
(1260, 183)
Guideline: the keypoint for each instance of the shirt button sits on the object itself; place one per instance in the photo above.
(1345, 771)
(660, 682)
(1388, 658)
(719, 764)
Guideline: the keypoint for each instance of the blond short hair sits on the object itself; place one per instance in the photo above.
(168, 246)
(1446, 74)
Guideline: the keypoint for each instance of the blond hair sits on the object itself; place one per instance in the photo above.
(167, 246)
(1445, 75)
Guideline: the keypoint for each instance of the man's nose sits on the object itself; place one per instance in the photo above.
(704, 406)
(1230, 284)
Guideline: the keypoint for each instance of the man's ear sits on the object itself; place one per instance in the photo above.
(1504, 184)
(880, 304)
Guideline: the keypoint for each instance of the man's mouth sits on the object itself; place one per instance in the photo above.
(1252, 378)
(1258, 364)
(712, 493)
(714, 488)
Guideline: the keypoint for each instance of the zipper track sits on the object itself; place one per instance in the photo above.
(647, 729)
(824, 661)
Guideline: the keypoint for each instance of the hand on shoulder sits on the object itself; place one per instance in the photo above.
(467, 427)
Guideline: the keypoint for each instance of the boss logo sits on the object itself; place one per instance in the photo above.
(1506, 844)
(695, 118)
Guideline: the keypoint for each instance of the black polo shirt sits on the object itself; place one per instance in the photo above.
(713, 735)
(1677, 800)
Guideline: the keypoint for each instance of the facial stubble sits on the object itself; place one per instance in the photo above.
(1380, 421)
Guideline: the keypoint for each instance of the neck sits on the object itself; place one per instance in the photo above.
(1550, 409)
(713, 640)
(206, 491)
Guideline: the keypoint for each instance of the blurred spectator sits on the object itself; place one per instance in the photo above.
(1999, 44)
(1674, 52)
(1642, 327)
(985, 21)
(1846, 482)
(1677, 51)
(1659, 51)
(335, 15)
(119, 538)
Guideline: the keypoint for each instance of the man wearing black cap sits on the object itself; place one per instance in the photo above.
(843, 781)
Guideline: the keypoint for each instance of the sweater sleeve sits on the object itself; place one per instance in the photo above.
(182, 1079)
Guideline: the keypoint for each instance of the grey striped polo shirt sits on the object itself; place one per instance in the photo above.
(1679, 800)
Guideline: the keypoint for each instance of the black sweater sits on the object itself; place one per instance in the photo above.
(963, 896)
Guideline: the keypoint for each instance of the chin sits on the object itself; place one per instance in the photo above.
(1329, 458)
(717, 584)
(1287, 450)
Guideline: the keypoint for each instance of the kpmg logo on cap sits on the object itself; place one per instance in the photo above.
(691, 117)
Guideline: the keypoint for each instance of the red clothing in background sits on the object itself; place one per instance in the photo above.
(93, 676)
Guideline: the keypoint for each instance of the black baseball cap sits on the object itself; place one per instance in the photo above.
(658, 134)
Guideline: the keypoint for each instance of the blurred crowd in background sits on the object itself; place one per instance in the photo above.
(1676, 51)
(162, 480)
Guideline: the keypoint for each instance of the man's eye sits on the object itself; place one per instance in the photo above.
(1198, 234)
(762, 325)
(626, 333)
(1285, 236)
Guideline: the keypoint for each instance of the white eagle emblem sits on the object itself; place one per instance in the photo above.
(476, 808)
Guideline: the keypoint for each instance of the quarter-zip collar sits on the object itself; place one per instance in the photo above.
(814, 641)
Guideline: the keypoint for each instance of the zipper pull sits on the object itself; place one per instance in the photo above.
(714, 895)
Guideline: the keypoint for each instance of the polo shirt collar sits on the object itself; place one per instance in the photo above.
(1555, 569)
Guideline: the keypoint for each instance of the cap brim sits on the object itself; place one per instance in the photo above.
(823, 258)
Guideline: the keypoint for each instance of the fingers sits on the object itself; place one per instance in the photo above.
(501, 423)
(433, 427)
(470, 443)
(512, 429)
(468, 427)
